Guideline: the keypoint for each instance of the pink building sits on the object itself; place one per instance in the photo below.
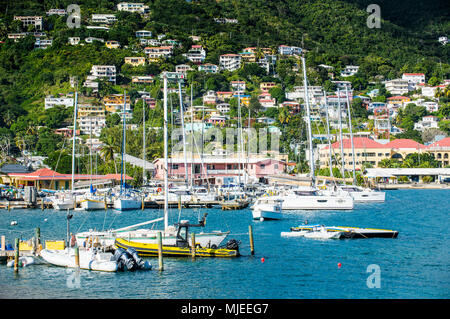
(217, 168)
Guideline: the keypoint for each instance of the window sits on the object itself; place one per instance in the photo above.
(276, 166)
(263, 166)
(174, 166)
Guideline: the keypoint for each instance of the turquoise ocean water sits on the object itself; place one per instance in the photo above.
(414, 265)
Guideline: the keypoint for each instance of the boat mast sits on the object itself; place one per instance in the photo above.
(144, 177)
(122, 168)
(351, 134)
(192, 139)
(74, 137)
(166, 165)
(340, 135)
(184, 134)
(239, 137)
(328, 134)
(311, 155)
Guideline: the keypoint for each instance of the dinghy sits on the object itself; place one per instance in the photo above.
(338, 232)
(90, 259)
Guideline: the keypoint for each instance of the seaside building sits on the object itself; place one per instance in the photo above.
(230, 62)
(51, 101)
(155, 54)
(196, 54)
(135, 61)
(104, 71)
(349, 70)
(289, 50)
(112, 44)
(220, 168)
(46, 178)
(142, 79)
(397, 86)
(208, 68)
(91, 119)
(370, 151)
(103, 18)
(35, 21)
(133, 7)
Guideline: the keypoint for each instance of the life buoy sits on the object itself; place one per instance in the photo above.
(159, 189)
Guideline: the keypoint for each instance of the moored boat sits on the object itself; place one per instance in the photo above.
(339, 232)
(89, 259)
(267, 208)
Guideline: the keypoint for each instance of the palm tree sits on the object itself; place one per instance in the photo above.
(108, 150)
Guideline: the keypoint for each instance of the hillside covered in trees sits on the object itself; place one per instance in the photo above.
(333, 33)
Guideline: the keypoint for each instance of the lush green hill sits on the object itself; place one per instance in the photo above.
(334, 33)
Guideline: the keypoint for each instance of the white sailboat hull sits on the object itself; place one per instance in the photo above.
(92, 204)
(294, 202)
(263, 214)
(63, 204)
(127, 204)
(88, 259)
(368, 197)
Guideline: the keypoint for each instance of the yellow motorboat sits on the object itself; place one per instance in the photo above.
(144, 249)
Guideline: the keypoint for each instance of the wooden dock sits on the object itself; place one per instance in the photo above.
(234, 205)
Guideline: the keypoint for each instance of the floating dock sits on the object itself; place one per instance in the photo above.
(234, 205)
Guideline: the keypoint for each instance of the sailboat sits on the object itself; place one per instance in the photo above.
(310, 197)
(358, 193)
(66, 200)
(91, 200)
(126, 200)
(170, 233)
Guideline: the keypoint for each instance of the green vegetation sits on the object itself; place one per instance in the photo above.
(333, 33)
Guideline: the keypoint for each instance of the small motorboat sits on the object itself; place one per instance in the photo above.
(267, 208)
(315, 232)
(23, 261)
(338, 232)
(91, 259)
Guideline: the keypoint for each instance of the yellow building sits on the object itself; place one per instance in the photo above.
(114, 103)
(135, 61)
(368, 151)
(112, 44)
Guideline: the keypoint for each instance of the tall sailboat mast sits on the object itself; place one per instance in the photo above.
(308, 114)
(166, 164)
(122, 168)
(340, 135)
(74, 137)
(144, 176)
(351, 135)
(328, 134)
(184, 134)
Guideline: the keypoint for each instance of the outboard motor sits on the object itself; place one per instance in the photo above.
(233, 244)
(141, 264)
(124, 259)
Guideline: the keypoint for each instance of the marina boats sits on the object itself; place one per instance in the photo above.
(267, 208)
(148, 236)
(310, 198)
(338, 232)
(169, 234)
(364, 195)
(180, 246)
(63, 201)
(93, 202)
(126, 200)
(89, 258)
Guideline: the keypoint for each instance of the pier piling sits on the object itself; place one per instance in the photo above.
(77, 257)
(193, 245)
(3, 247)
(250, 234)
(160, 252)
(16, 256)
